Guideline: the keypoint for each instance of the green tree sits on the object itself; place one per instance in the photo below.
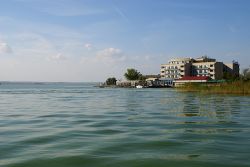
(142, 78)
(246, 74)
(111, 81)
(132, 74)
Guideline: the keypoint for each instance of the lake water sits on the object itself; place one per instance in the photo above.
(77, 124)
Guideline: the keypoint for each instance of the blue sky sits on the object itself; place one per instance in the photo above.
(90, 40)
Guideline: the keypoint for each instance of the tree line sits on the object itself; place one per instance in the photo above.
(131, 75)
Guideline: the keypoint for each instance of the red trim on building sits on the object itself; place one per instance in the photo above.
(194, 78)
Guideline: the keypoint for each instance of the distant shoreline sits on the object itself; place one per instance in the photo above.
(43, 82)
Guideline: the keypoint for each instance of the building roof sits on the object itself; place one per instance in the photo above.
(153, 76)
(205, 59)
(181, 59)
(194, 78)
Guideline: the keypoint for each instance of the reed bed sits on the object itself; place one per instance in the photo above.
(235, 87)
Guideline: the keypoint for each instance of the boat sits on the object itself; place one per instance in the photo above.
(139, 86)
(101, 85)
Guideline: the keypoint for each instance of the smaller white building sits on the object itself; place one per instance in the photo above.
(191, 79)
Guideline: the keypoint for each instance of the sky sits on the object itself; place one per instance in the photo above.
(91, 40)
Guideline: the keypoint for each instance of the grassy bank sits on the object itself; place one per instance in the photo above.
(236, 87)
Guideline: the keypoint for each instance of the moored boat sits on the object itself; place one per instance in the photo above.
(139, 86)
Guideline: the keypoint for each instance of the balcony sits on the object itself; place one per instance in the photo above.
(212, 72)
(202, 68)
(203, 73)
(173, 69)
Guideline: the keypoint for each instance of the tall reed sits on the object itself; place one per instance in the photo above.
(235, 87)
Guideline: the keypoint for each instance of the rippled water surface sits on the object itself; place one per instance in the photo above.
(75, 125)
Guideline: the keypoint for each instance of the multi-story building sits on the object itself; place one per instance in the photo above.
(231, 69)
(176, 68)
(208, 67)
(204, 66)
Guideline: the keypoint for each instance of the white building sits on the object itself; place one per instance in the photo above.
(176, 68)
(204, 66)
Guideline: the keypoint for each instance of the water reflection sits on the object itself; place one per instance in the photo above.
(191, 106)
(209, 115)
(215, 108)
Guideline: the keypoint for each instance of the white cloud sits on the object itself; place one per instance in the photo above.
(35, 40)
(88, 46)
(5, 48)
(109, 52)
(57, 57)
(110, 55)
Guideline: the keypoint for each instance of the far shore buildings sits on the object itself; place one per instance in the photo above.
(179, 71)
(200, 67)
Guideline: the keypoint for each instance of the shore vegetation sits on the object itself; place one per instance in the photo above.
(235, 87)
(111, 81)
(239, 85)
(132, 74)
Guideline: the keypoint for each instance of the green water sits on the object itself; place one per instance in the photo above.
(75, 125)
